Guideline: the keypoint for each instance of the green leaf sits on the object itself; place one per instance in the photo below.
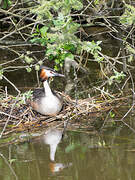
(69, 55)
(49, 51)
(112, 115)
(28, 69)
(131, 58)
(35, 40)
(130, 49)
(37, 67)
(6, 4)
(57, 61)
(28, 59)
(61, 64)
(69, 47)
(117, 77)
(56, 68)
(77, 5)
(43, 31)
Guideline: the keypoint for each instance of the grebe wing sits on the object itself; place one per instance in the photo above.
(38, 93)
(57, 94)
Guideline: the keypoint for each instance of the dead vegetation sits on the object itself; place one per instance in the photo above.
(81, 114)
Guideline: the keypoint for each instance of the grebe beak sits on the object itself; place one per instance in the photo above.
(57, 74)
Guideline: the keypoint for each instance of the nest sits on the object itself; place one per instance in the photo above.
(19, 117)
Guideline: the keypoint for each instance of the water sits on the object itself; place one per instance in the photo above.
(78, 156)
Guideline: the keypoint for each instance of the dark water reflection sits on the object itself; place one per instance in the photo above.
(78, 156)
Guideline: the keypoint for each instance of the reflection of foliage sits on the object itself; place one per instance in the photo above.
(72, 147)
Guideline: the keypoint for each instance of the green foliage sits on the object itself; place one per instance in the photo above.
(6, 3)
(128, 18)
(27, 94)
(37, 67)
(71, 147)
(58, 44)
(23, 98)
(130, 49)
(28, 59)
(118, 77)
(58, 54)
(58, 33)
(40, 36)
(112, 114)
(44, 11)
(28, 69)
(131, 58)
(96, 2)
(93, 48)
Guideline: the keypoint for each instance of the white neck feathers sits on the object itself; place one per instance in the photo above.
(47, 88)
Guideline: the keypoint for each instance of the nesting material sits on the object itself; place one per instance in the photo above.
(22, 118)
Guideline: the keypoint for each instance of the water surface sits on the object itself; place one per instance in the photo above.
(78, 156)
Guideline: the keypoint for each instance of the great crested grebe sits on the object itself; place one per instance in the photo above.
(44, 100)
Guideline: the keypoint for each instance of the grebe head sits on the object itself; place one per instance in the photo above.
(46, 72)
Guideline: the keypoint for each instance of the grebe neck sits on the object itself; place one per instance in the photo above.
(47, 88)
